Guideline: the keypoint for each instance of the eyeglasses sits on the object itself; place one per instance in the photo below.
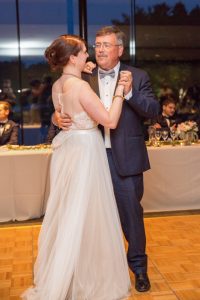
(105, 45)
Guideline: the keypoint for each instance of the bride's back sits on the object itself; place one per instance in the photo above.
(66, 93)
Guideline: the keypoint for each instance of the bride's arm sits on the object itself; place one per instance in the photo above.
(93, 106)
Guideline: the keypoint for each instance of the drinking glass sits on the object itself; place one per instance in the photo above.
(158, 136)
(165, 134)
(174, 135)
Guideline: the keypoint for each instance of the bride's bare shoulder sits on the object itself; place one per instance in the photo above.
(77, 84)
(85, 85)
(56, 86)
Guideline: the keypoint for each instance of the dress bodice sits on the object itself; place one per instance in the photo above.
(82, 121)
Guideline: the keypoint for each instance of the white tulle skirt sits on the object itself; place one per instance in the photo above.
(81, 252)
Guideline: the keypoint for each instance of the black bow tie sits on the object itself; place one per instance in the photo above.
(110, 73)
(166, 117)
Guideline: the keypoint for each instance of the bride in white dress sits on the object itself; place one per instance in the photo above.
(81, 253)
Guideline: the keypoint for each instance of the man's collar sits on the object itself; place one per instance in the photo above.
(116, 68)
(166, 117)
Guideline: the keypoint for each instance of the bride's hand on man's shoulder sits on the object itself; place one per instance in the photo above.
(89, 66)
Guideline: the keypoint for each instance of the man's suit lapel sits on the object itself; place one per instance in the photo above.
(4, 129)
(4, 132)
(94, 82)
(122, 67)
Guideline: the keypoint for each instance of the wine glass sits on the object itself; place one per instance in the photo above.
(158, 136)
(173, 134)
(165, 134)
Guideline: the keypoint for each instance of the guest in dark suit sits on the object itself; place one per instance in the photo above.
(125, 146)
(167, 119)
(8, 128)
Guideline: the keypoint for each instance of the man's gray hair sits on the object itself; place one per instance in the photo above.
(110, 30)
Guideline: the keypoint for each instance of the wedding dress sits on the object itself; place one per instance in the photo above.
(81, 251)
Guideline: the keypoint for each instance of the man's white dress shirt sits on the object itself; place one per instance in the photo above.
(106, 89)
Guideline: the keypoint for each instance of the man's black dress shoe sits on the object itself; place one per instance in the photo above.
(142, 283)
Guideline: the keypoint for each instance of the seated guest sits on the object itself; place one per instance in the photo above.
(8, 128)
(52, 132)
(167, 118)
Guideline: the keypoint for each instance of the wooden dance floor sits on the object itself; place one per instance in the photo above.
(173, 246)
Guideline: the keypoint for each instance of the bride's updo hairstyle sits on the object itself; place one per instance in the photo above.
(58, 53)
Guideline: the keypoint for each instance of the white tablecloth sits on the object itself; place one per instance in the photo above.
(24, 183)
(173, 183)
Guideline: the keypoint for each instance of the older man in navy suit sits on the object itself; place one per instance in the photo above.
(125, 146)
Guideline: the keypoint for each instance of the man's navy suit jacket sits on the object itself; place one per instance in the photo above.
(127, 140)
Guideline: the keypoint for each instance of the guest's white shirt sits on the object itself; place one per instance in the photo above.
(1, 127)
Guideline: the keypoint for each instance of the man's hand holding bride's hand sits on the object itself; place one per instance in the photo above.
(89, 66)
(62, 120)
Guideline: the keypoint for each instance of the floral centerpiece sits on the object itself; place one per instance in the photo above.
(187, 126)
(188, 131)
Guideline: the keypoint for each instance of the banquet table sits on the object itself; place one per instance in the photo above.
(24, 183)
(173, 183)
